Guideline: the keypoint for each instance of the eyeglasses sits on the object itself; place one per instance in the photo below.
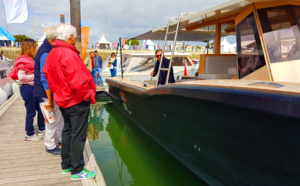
(158, 55)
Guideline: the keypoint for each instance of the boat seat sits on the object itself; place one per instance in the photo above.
(219, 67)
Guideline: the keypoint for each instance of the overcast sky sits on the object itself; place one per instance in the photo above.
(125, 18)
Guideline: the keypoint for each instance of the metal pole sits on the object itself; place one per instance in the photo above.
(120, 40)
(106, 34)
(76, 21)
(62, 18)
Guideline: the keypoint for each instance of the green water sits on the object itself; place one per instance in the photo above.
(127, 156)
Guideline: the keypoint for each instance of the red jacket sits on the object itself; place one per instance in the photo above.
(68, 78)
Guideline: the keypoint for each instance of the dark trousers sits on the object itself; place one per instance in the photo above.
(74, 136)
(32, 105)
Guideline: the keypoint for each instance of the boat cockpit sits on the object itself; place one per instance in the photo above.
(267, 40)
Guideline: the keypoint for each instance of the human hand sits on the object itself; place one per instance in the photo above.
(49, 106)
(152, 73)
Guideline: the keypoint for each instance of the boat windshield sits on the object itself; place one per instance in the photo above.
(148, 63)
(281, 32)
(250, 53)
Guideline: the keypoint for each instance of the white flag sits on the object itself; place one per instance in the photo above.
(16, 11)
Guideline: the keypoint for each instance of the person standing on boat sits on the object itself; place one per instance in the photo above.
(113, 65)
(74, 89)
(98, 67)
(41, 89)
(23, 71)
(163, 74)
(89, 62)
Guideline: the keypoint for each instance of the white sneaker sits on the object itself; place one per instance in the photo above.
(34, 137)
(41, 132)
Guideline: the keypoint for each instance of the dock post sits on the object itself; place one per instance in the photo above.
(76, 21)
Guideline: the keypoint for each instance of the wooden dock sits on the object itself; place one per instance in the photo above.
(26, 162)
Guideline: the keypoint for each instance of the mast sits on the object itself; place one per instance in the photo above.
(76, 21)
(106, 34)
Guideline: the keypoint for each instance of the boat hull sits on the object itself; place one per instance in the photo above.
(225, 136)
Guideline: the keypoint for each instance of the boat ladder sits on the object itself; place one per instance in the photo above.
(178, 19)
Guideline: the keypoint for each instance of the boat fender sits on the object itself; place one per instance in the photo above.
(7, 88)
(3, 96)
(15, 88)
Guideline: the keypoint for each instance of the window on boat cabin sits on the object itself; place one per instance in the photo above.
(180, 61)
(125, 62)
(249, 49)
(144, 63)
(228, 39)
(281, 32)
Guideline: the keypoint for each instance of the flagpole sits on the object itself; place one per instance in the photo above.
(76, 21)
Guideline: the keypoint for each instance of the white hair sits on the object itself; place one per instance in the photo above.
(51, 33)
(65, 30)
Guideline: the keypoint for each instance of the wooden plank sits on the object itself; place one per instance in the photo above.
(247, 10)
(26, 162)
(260, 5)
(217, 44)
(8, 103)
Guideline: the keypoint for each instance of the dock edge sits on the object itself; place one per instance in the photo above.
(91, 164)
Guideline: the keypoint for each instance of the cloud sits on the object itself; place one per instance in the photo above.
(124, 18)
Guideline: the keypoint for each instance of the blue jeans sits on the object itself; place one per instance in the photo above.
(32, 105)
(94, 72)
(113, 72)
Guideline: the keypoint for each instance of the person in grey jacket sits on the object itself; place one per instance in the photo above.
(97, 68)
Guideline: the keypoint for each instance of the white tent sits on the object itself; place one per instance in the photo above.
(150, 45)
(226, 47)
(41, 40)
(104, 43)
(3, 38)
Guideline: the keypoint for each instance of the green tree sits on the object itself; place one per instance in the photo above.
(20, 38)
(133, 42)
(211, 45)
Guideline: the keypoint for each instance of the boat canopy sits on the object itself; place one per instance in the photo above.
(200, 26)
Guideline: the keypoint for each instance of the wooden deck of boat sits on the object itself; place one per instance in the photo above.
(27, 163)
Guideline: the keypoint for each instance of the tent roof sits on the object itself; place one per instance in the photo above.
(42, 38)
(104, 40)
(149, 42)
(5, 35)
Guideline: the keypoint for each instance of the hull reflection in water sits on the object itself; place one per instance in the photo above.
(127, 156)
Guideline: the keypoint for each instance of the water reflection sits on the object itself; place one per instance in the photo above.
(127, 156)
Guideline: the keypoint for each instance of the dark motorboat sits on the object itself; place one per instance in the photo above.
(238, 124)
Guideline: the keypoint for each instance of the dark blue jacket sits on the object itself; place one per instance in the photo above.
(98, 62)
(163, 74)
(38, 89)
(115, 63)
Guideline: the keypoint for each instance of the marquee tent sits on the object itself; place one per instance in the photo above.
(104, 43)
(226, 47)
(149, 45)
(41, 40)
(6, 38)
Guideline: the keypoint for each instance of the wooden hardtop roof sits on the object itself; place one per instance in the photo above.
(194, 26)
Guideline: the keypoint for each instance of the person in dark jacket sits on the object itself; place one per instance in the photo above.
(163, 74)
(98, 67)
(41, 89)
(74, 89)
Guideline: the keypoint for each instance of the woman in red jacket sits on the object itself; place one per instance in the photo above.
(23, 71)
